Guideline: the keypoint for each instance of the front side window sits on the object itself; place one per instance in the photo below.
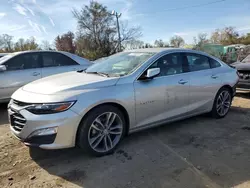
(23, 61)
(169, 64)
(51, 59)
(120, 64)
(197, 62)
(214, 63)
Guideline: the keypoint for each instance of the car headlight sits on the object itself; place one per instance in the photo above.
(50, 108)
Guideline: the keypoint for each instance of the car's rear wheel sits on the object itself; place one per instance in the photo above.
(222, 103)
(101, 131)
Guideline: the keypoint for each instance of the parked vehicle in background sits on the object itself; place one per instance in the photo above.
(243, 69)
(124, 93)
(228, 53)
(245, 60)
(3, 54)
(20, 68)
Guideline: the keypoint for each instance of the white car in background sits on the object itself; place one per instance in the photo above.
(20, 68)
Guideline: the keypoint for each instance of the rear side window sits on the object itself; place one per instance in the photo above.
(56, 59)
(197, 62)
(23, 61)
(214, 63)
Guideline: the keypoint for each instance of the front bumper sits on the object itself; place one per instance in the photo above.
(243, 85)
(66, 123)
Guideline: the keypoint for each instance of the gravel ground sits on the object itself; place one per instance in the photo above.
(198, 152)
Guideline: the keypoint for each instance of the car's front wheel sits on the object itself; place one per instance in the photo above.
(102, 130)
(222, 103)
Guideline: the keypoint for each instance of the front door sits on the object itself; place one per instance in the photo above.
(21, 70)
(166, 96)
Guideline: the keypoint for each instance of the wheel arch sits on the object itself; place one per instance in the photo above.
(228, 87)
(115, 104)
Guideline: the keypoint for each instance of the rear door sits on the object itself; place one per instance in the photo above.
(164, 97)
(21, 70)
(203, 83)
(56, 63)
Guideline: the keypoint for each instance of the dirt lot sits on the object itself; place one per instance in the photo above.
(198, 152)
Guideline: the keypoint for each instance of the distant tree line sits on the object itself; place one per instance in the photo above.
(97, 37)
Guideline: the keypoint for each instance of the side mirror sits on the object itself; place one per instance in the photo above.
(3, 68)
(151, 73)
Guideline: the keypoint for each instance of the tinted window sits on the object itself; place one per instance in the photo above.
(197, 62)
(24, 61)
(214, 63)
(56, 59)
(169, 64)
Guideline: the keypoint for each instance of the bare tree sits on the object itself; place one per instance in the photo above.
(160, 43)
(200, 41)
(129, 34)
(133, 44)
(45, 45)
(6, 43)
(97, 30)
(177, 41)
(23, 45)
(31, 44)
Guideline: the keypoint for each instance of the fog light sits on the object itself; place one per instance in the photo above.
(43, 132)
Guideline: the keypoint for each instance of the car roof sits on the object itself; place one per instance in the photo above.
(162, 50)
(78, 59)
(150, 50)
(72, 56)
(33, 51)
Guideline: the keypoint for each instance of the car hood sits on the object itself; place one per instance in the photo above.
(235, 63)
(242, 66)
(69, 82)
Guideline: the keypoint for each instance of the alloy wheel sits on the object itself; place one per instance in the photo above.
(223, 103)
(105, 132)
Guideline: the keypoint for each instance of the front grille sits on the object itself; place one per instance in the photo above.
(244, 75)
(17, 121)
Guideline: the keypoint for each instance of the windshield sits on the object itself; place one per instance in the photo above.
(246, 60)
(120, 64)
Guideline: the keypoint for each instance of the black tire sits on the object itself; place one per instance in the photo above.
(83, 130)
(214, 113)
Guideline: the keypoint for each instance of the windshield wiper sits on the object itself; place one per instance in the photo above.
(99, 73)
(80, 71)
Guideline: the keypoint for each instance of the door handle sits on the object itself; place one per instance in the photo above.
(36, 74)
(214, 76)
(182, 82)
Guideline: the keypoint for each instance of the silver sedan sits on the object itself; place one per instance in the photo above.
(20, 68)
(127, 92)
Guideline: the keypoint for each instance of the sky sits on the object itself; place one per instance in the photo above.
(158, 19)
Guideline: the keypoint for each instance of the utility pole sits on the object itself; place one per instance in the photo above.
(118, 15)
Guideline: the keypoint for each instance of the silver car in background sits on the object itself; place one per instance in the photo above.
(124, 93)
(20, 68)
